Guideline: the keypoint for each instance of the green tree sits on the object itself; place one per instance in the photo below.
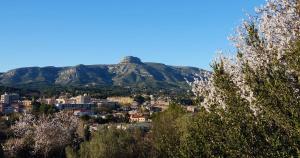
(139, 99)
(256, 95)
(165, 135)
(87, 133)
(71, 153)
(113, 143)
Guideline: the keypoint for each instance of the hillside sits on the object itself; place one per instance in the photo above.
(130, 72)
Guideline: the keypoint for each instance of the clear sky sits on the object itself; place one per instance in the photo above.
(72, 32)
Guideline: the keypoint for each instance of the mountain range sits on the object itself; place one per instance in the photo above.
(130, 72)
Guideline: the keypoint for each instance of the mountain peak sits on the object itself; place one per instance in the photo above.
(130, 72)
(131, 60)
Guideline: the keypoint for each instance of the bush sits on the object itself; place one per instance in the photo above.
(115, 143)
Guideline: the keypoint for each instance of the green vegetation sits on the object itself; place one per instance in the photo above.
(166, 135)
(139, 99)
(110, 143)
(38, 108)
(127, 74)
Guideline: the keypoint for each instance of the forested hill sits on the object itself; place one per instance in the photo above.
(130, 72)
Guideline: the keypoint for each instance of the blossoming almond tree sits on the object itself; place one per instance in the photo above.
(263, 77)
(43, 135)
(262, 42)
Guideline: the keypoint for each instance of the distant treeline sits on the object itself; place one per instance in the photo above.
(30, 91)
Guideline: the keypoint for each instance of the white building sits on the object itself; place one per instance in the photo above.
(9, 98)
(83, 99)
(76, 106)
(138, 118)
(5, 98)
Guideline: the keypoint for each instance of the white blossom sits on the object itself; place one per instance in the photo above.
(44, 133)
(273, 32)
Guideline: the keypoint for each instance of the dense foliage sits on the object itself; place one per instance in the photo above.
(254, 97)
(38, 108)
(111, 143)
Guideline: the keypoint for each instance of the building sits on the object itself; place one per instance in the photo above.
(121, 100)
(17, 107)
(14, 97)
(5, 98)
(9, 98)
(65, 101)
(9, 103)
(48, 101)
(74, 107)
(107, 104)
(138, 118)
(62, 100)
(27, 105)
(6, 108)
(83, 99)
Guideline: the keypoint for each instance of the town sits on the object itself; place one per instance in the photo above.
(132, 110)
(180, 90)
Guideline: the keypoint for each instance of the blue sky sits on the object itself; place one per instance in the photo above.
(72, 32)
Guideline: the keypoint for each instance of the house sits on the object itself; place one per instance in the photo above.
(138, 118)
(48, 101)
(27, 105)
